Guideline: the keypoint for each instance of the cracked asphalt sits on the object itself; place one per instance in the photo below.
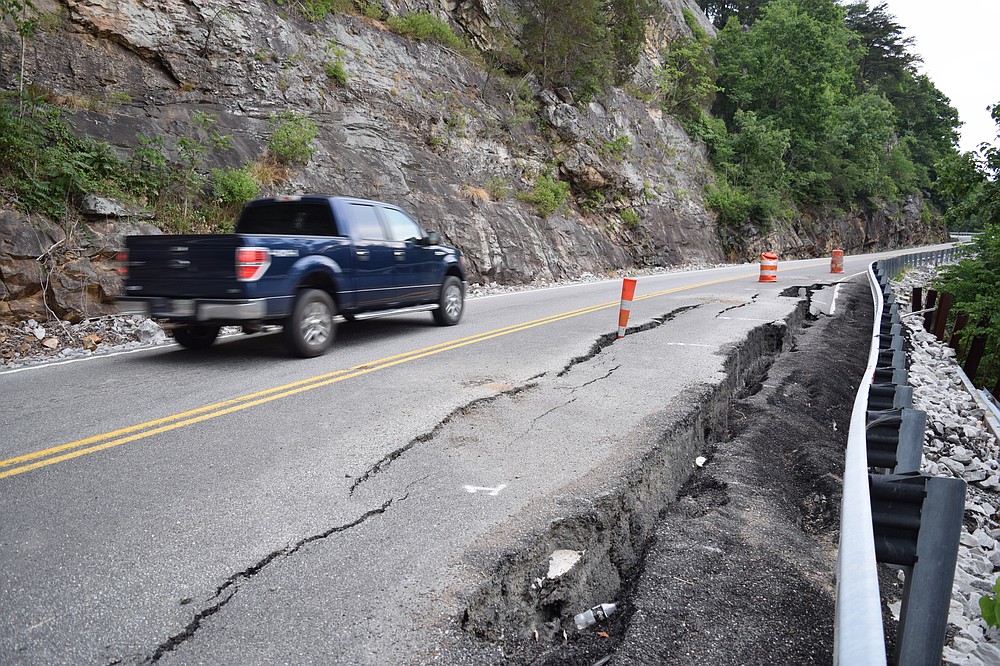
(418, 538)
(547, 451)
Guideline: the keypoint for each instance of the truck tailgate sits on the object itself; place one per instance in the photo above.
(183, 266)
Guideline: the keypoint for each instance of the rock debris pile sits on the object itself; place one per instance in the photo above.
(31, 342)
(958, 444)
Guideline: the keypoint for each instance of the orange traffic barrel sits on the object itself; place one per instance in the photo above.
(837, 262)
(628, 291)
(768, 267)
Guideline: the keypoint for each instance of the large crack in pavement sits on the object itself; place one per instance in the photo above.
(388, 459)
(614, 528)
(753, 299)
(600, 344)
(608, 339)
(231, 586)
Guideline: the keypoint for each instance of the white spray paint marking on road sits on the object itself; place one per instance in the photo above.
(744, 319)
(687, 344)
(833, 303)
(493, 492)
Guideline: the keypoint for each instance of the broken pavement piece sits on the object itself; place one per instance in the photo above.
(562, 561)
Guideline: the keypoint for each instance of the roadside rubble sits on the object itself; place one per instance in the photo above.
(30, 342)
(958, 444)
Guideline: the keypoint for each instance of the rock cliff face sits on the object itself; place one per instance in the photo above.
(417, 124)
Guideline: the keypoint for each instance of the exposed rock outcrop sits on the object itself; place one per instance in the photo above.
(417, 124)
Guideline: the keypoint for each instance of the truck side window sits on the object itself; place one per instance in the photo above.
(365, 222)
(299, 219)
(401, 227)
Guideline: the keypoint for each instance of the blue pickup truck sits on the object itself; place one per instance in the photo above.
(295, 261)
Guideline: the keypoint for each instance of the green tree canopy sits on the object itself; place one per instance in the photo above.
(795, 66)
(563, 44)
(720, 11)
(925, 120)
(839, 85)
(886, 55)
(585, 45)
(970, 185)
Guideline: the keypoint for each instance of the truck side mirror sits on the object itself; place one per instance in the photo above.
(432, 238)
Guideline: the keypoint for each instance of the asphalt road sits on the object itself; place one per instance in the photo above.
(237, 505)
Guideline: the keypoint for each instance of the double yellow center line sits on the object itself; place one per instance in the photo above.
(86, 446)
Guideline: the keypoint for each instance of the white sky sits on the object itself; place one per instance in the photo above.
(958, 43)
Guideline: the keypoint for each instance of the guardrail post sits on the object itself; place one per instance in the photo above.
(976, 351)
(890, 313)
(961, 320)
(941, 316)
(896, 439)
(917, 521)
(928, 306)
(891, 367)
(891, 341)
(916, 299)
(889, 396)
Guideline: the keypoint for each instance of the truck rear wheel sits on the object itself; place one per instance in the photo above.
(310, 330)
(196, 337)
(451, 303)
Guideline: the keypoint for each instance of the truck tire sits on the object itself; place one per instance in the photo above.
(200, 336)
(310, 330)
(451, 303)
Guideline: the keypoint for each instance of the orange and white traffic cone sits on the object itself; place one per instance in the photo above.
(837, 262)
(768, 267)
(628, 291)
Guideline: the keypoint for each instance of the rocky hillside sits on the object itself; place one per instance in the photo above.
(417, 123)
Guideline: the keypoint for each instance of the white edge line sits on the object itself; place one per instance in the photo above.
(91, 357)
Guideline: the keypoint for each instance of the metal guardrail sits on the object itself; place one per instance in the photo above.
(857, 634)
(899, 516)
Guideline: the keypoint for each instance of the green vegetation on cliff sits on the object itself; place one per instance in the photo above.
(801, 103)
(175, 181)
(819, 105)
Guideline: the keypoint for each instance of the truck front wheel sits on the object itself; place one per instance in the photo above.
(196, 337)
(451, 302)
(310, 330)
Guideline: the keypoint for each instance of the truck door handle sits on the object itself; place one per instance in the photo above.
(363, 255)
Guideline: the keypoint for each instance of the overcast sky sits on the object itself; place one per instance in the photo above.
(961, 50)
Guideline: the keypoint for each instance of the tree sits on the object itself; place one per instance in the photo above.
(564, 43)
(925, 117)
(886, 53)
(970, 185)
(627, 34)
(794, 66)
(720, 11)
(686, 76)
(975, 280)
(870, 158)
(925, 120)
(24, 15)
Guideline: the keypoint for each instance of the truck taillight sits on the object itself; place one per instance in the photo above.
(251, 263)
(121, 263)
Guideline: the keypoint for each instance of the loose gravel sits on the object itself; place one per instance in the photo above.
(25, 343)
(959, 444)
